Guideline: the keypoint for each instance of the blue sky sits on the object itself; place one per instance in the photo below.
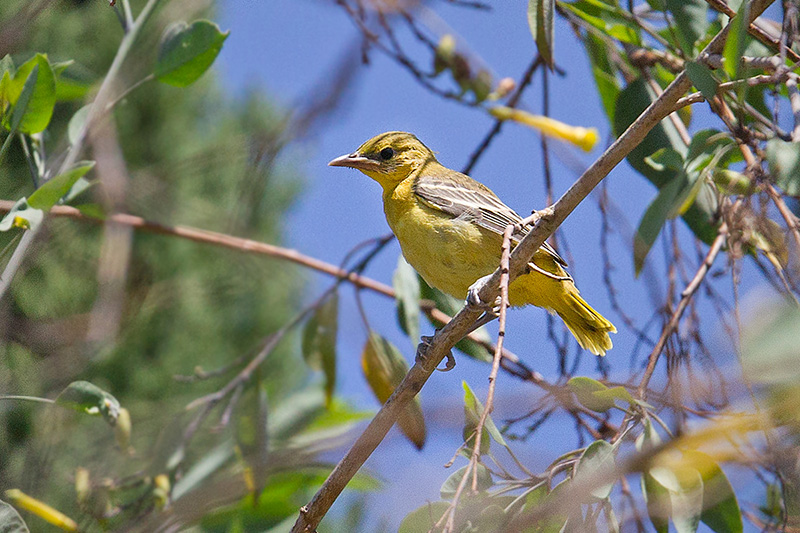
(286, 49)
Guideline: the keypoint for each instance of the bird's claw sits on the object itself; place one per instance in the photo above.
(422, 350)
(474, 298)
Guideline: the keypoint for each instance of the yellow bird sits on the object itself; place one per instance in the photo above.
(450, 229)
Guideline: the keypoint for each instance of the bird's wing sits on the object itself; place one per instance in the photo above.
(462, 197)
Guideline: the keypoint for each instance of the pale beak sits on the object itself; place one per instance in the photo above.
(355, 160)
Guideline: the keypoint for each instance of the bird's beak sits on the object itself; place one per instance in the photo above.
(355, 160)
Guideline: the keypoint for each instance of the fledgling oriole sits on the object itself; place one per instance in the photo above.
(450, 229)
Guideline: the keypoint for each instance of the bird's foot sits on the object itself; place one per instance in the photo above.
(422, 353)
(474, 298)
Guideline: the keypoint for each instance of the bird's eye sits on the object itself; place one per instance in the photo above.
(387, 153)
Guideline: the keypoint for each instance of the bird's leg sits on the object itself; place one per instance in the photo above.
(422, 353)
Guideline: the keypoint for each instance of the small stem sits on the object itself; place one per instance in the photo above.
(28, 399)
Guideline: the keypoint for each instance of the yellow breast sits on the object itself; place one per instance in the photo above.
(449, 253)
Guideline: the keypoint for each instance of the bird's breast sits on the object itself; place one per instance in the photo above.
(449, 253)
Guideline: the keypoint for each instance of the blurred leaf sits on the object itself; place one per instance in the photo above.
(665, 159)
(7, 65)
(450, 485)
(423, 518)
(319, 342)
(407, 290)
(721, 511)
(595, 396)
(10, 520)
(784, 165)
(252, 433)
(608, 87)
(21, 215)
(597, 460)
(659, 507)
(736, 42)
(32, 92)
(730, 182)
(773, 501)
(540, 22)
(685, 487)
(207, 465)
(654, 218)
(384, 367)
(451, 306)
(702, 79)
(691, 21)
(770, 352)
(77, 122)
(186, 52)
(606, 17)
(91, 399)
(53, 189)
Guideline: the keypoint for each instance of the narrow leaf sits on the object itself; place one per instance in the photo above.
(736, 42)
(53, 189)
(406, 288)
(540, 21)
(653, 220)
(691, 21)
(384, 367)
(702, 78)
(319, 342)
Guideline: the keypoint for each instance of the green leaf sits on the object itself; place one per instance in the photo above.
(54, 189)
(423, 518)
(654, 218)
(665, 159)
(7, 65)
(186, 52)
(770, 353)
(450, 485)
(659, 507)
(702, 78)
(691, 21)
(540, 21)
(473, 410)
(77, 122)
(595, 396)
(685, 486)
(90, 399)
(37, 111)
(784, 165)
(406, 287)
(604, 73)
(21, 107)
(607, 18)
(207, 465)
(319, 342)
(721, 511)
(597, 460)
(10, 520)
(384, 367)
(736, 42)
(21, 215)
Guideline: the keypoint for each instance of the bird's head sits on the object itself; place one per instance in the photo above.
(388, 158)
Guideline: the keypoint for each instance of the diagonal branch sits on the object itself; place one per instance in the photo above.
(445, 339)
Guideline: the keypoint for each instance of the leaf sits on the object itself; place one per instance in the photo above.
(7, 65)
(721, 511)
(595, 396)
(53, 189)
(406, 287)
(473, 410)
(685, 488)
(384, 367)
(186, 52)
(90, 399)
(691, 21)
(540, 22)
(784, 165)
(21, 215)
(736, 42)
(770, 353)
(597, 460)
(658, 503)
(202, 469)
(77, 122)
(423, 518)
(654, 218)
(450, 485)
(605, 77)
(10, 520)
(319, 342)
(34, 114)
(702, 79)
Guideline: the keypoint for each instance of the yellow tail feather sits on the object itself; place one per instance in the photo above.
(589, 327)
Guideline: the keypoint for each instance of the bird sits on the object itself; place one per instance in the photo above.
(450, 229)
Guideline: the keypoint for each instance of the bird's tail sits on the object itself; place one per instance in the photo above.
(589, 327)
